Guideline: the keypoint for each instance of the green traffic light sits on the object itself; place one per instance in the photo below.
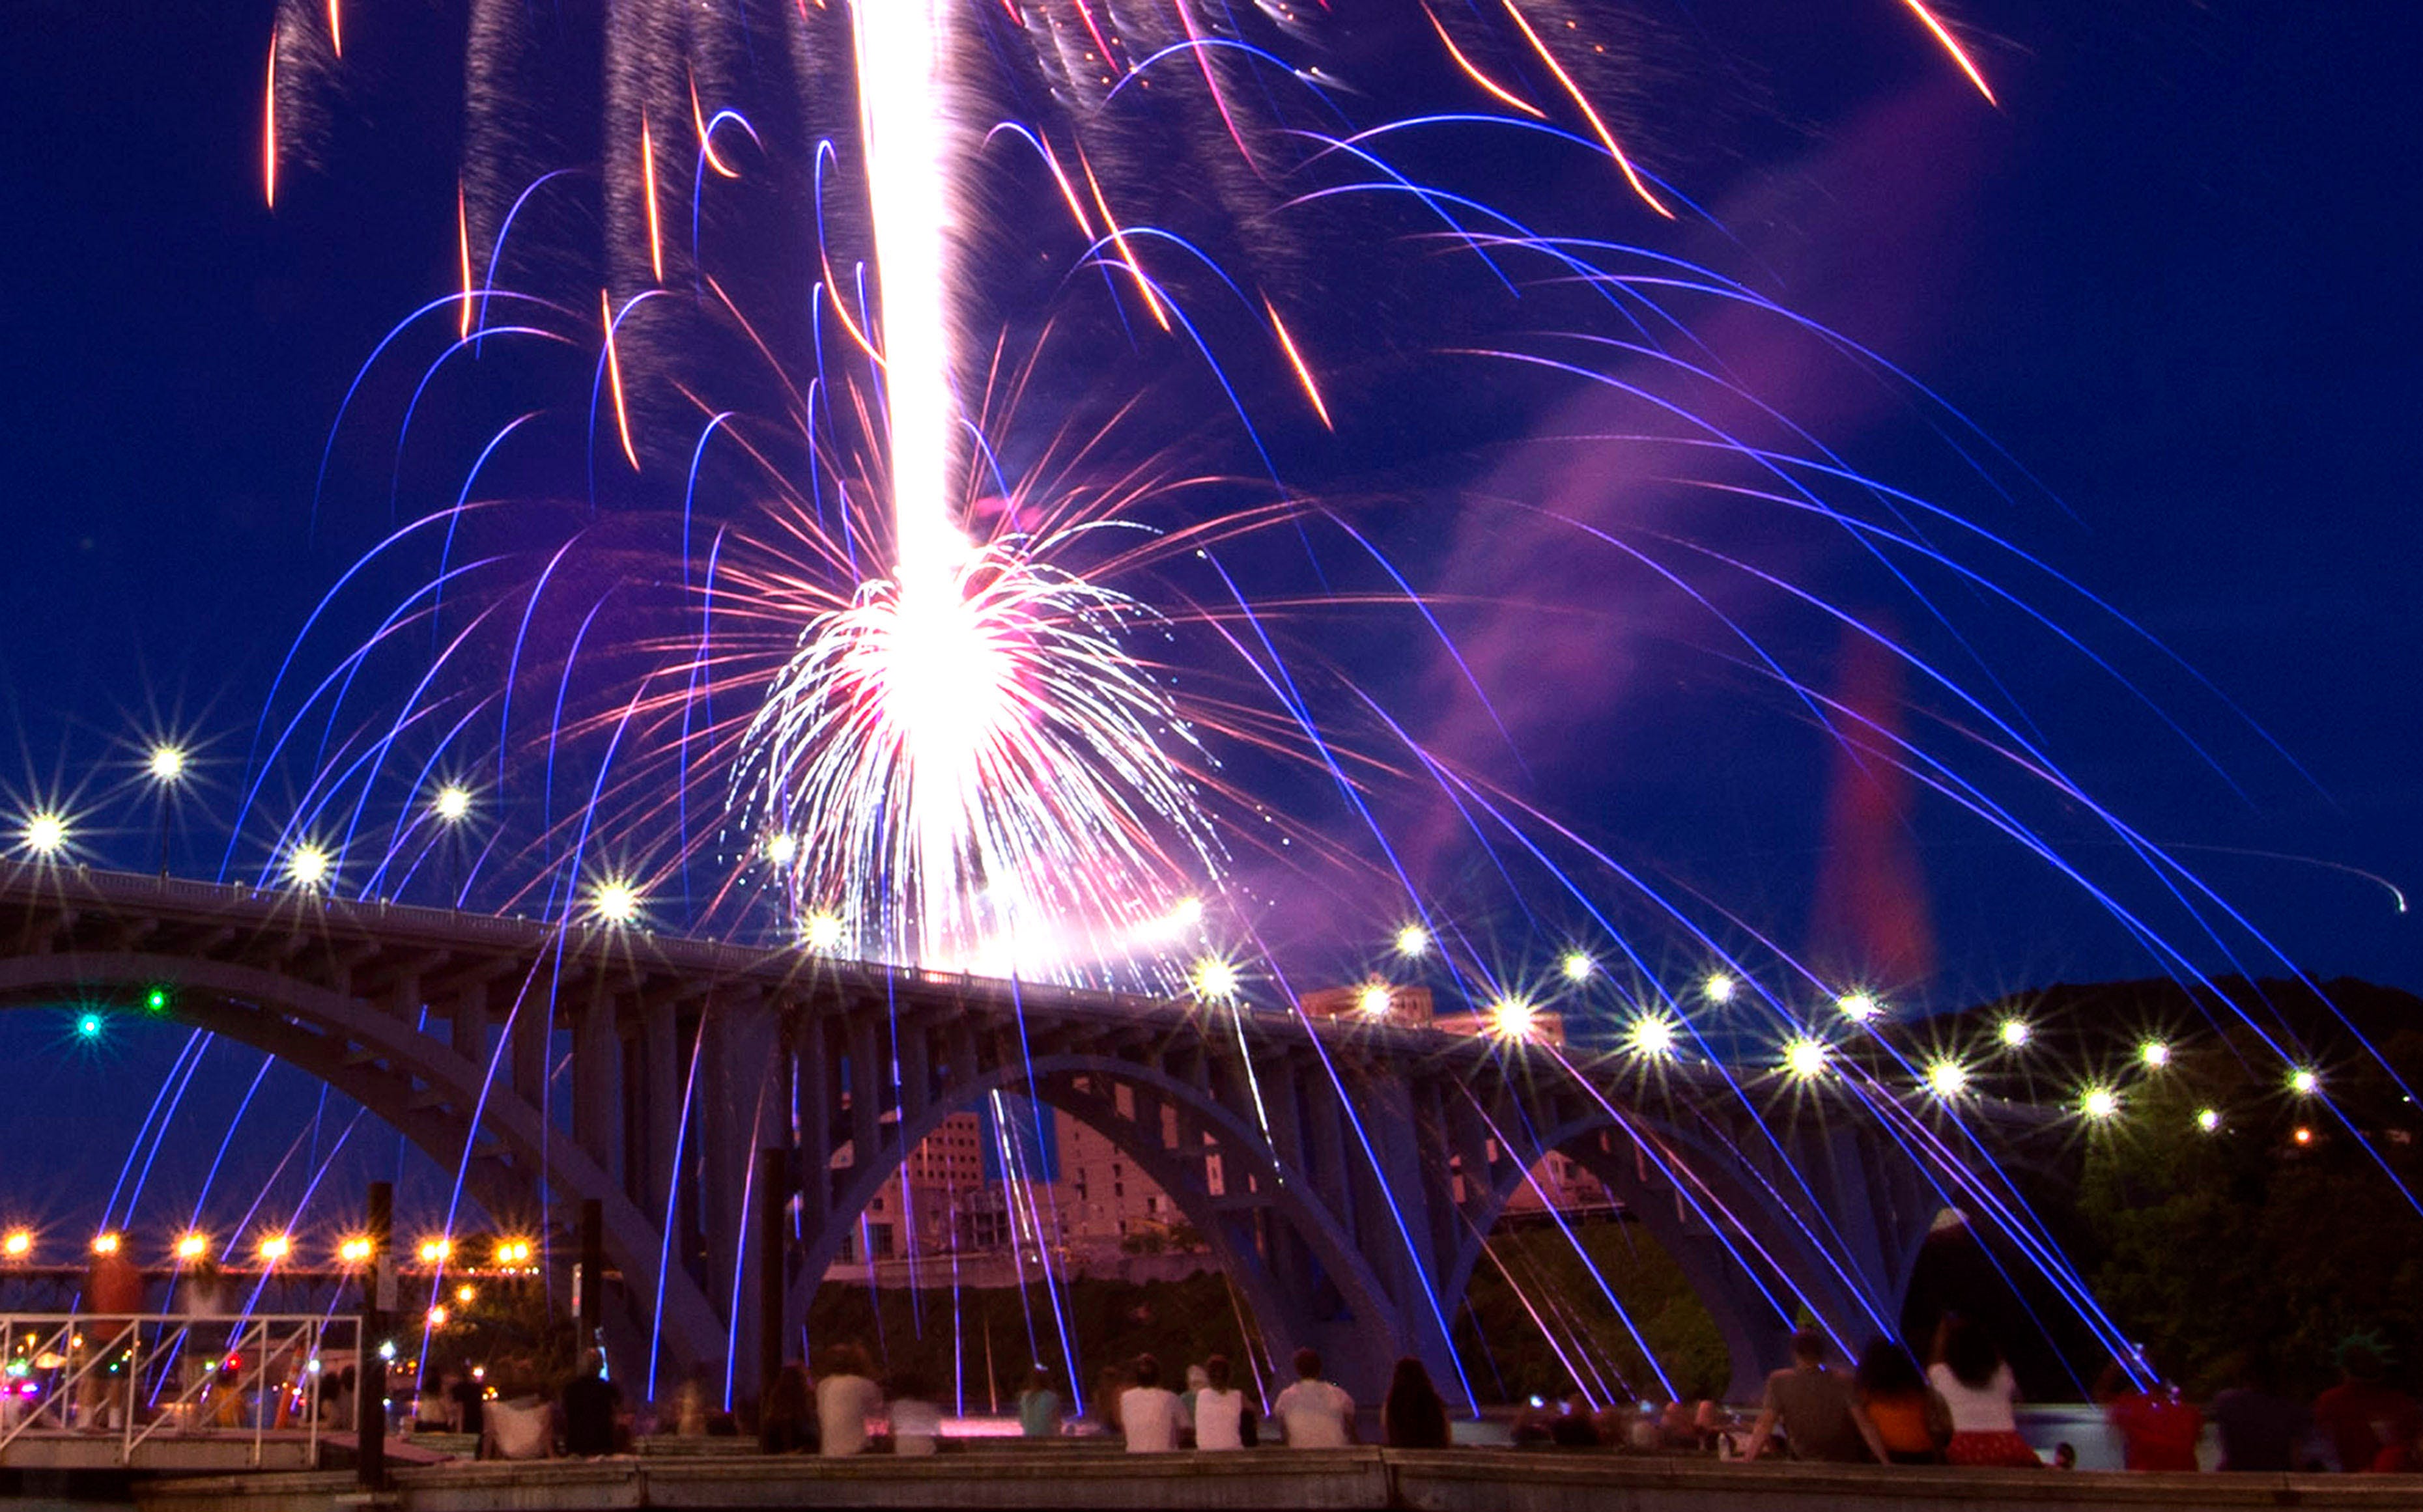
(157, 1001)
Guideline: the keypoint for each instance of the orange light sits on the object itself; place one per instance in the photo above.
(275, 1248)
(19, 1244)
(435, 1251)
(614, 381)
(106, 1243)
(1951, 44)
(355, 1251)
(1296, 360)
(2304, 1135)
(1474, 73)
(648, 189)
(191, 1247)
(1605, 137)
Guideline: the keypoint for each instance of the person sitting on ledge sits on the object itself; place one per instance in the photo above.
(1314, 1413)
(1150, 1414)
(1817, 1410)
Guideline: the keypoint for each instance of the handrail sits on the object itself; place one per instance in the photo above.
(147, 1347)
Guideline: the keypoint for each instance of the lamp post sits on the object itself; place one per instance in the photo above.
(452, 805)
(167, 765)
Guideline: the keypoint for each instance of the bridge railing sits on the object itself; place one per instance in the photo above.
(134, 1378)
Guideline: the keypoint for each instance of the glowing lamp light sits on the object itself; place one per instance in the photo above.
(2015, 1033)
(1947, 1077)
(355, 1251)
(2304, 1082)
(2303, 1135)
(512, 1253)
(2154, 1055)
(1577, 966)
(166, 762)
(156, 1000)
(1513, 1018)
(1720, 987)
(18, 1245)
(2208, 1119)
(1651, 1036)
(465, 1294)
(191, 1247)
(108, 1242)
(2099, 1103)
(614, 901)
(44, 833)
(1215, 980)
(87, 1026)
(1413, 940)
(437, 1317)
(1375, 999)
(435, 1251)
(822, 932)
(1804, 1059)
(452, 803)
(1858, 1007)
(781, 848)
(308, 866)
(275, 1248)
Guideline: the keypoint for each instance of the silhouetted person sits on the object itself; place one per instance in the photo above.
(786, 1424)
(1910, 1420)
(1413, 1415)
(1039, 1408)
(2363, 1417)
(1976, 1384)
(916, 1418)
(467, 1403)
(2158, 1428)
(1816, 1407)
(589, 1404)
(2260, 1430)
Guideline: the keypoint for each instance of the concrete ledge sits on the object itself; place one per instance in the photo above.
(1270, 1480)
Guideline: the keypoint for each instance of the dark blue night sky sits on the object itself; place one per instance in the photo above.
(2172, 277)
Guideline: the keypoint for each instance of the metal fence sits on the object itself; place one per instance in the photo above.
(132, 1378)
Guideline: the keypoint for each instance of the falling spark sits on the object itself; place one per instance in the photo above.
(1296, 360)
(336, 27)
(462, 248)
(269, 129)
(1473, 73)
(1590, 112)
(648, 197)
(614, 381)
(1952, 45)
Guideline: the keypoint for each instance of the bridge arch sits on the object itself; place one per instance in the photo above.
(1752, 1251)
(417, 1083)
(1263, 1210)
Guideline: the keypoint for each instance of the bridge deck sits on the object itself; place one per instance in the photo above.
(1278, 1480)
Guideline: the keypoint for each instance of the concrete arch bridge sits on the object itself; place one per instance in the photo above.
(1343, 1174)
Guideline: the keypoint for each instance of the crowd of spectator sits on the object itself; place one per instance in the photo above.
(1960, 1408)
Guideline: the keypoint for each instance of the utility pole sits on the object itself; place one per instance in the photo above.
(378, 1304)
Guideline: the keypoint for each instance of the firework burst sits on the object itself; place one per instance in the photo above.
(969, 767)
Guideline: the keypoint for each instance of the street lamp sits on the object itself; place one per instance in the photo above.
(44, 834)
(167, 766)
(452, 805)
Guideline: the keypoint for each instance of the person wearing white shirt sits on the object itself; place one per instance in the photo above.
(1314, 1413)
(1219, 1409)
(1150, 1414)
(846, 1398)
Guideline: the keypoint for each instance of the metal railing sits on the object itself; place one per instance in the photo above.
(132, 1378)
